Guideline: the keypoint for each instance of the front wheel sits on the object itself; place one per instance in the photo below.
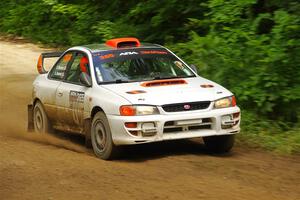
(101, 138)
(219, 144)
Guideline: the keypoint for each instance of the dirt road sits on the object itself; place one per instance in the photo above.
(50, 167)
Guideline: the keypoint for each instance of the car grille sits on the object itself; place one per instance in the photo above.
(180, 107)
(171, 127)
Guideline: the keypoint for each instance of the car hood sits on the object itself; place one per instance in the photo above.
(191, 91)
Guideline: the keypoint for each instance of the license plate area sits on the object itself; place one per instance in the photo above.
(188, 122)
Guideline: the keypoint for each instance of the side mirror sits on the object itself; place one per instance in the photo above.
(85, 79)
(194, 68)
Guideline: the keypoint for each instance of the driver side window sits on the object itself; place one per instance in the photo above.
(80, 64)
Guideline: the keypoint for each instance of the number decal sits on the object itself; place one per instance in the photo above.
(76, 100)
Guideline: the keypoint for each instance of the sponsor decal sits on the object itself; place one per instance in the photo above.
(76, 100)
(128, 53)
(58, 74)
(107, 56)
(154, 52)
(76, 96)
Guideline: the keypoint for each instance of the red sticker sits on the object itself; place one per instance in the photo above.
(107, 56)
(67, 57)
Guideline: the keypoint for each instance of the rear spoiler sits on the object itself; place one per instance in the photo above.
(40, 63)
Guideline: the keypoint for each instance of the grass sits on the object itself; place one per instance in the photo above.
(270, 135)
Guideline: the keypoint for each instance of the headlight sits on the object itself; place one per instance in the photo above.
(225, 102)
(138, 110)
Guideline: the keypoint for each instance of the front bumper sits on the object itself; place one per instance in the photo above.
(174, 126)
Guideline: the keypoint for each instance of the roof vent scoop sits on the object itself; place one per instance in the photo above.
(123, 42)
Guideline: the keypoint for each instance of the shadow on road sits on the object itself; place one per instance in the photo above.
(149, 151)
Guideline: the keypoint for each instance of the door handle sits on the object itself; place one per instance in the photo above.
(60, 94)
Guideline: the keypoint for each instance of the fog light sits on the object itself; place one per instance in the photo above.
(227, 121)
(236, 115)
(148, 129)
(131, 124)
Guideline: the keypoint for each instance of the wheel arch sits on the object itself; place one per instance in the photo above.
(95, 110)
(35, 100)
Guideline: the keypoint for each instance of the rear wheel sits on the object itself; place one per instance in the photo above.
(40, 120)
(219, 144)
(101, 138)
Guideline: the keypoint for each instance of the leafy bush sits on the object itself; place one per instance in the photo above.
(260, 65)
(268, 134)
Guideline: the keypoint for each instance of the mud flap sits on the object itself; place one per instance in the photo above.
(87, 132)
(30, 126)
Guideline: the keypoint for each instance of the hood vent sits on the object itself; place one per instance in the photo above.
(136, 92)
(163, 83)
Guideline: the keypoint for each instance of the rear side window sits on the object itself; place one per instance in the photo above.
(59, 70)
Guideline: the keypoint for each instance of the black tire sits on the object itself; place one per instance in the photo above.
(41, 122)
(219, 144)
(101, 138)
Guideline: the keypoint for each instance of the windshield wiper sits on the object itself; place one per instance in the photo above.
(115, 81)
(172, 77)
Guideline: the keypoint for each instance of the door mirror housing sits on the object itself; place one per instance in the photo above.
(85, 79)
(194, 68)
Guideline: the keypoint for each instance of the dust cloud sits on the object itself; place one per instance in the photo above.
(15, 94)
(44, 139)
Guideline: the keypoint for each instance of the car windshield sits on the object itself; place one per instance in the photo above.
(120, 67)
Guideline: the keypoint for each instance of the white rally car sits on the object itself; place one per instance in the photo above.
(125, 92)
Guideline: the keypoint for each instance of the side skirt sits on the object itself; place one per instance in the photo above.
(87, 132)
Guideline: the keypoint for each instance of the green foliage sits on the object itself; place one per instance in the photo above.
(260, 64)
(268, 134)
(75, 22)
(252, 47)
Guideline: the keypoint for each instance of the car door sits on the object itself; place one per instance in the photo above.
(54, 79)
(72, 94)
